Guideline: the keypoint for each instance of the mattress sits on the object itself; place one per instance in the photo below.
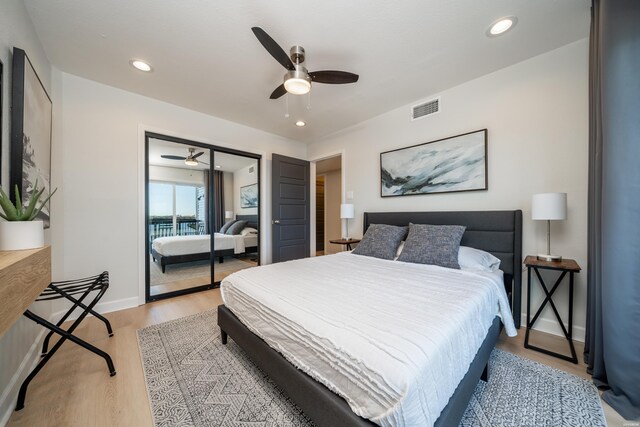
(185, 245)
(393, 339)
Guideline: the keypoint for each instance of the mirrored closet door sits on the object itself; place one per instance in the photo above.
(193, 192)
(236, 213)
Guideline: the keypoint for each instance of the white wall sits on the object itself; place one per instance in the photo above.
(332, 221)
(17, 346)
(179, 175)
(103, 200)
(242, 177)
(537, 116)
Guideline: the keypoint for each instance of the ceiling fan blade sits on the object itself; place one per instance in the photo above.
(204, 163)
(273, 48)
(195, 156)
(171, 157)
(333, 77)
(280, 90)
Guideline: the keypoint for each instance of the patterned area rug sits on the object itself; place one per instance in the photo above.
(194, 380)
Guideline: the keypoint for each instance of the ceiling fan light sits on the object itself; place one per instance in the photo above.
(297, 86)
(190, 162)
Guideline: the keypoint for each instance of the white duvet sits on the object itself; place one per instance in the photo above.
(393, 339)
(196, 244)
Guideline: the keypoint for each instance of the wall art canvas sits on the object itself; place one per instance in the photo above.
(249, 196)
(30, 132)
(457, 163)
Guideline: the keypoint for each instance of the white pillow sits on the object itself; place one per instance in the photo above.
(248, 230)
(399, 251)
(475, 259)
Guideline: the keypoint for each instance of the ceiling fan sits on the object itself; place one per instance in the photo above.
(297, 80)
(190, 160)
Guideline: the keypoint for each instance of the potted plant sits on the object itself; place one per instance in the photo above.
(21, 230)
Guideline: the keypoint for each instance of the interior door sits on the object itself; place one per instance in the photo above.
(291, 206)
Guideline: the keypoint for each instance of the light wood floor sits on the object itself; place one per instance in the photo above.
(74, 388)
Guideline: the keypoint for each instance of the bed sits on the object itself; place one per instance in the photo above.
(497, 232)
(181, 249)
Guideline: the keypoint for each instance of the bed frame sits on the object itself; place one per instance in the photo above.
(497, 232)
(202, 256)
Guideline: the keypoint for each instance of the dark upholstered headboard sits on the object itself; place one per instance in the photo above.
(497, 232)
(252, 219)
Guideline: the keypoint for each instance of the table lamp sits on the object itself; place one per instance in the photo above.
(549, 207)
(228, 214)
(346, 212)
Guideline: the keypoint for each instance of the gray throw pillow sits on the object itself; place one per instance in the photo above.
(433, 244)
(226, 226)
(381, 241)
(237, 227)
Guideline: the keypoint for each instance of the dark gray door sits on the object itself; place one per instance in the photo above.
(290, 208)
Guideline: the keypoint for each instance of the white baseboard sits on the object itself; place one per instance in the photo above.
(551, 327)
(10, 393)
(102, 307)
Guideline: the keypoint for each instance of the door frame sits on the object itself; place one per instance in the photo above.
(209, 144)
(312, 168)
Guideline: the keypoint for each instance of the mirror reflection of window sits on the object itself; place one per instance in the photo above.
(235, 200)
(179, 241)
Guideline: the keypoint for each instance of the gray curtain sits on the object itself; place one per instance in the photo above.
(218, 200)
(612, 347)
(207, 220)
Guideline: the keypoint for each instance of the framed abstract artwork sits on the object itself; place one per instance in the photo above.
(30, 158)
(457, 163)
(249, 196)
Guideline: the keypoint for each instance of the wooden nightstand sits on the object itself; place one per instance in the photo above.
(565, 266)
(347, 242)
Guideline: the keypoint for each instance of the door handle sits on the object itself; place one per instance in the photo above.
(275, 221)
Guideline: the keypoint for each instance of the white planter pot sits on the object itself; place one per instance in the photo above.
(18, 235)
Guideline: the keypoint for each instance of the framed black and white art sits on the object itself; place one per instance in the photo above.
(30, 157)
(457, 163)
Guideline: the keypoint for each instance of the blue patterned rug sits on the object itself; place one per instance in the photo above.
(194, 380)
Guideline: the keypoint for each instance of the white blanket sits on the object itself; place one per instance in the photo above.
(184, 245)
(393, 339)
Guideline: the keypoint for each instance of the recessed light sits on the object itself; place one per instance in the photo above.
(300, 123)
(501, 26)
(141, 65)
(218, 166)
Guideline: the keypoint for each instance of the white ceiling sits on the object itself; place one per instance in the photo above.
(206, 58)
(223, 161)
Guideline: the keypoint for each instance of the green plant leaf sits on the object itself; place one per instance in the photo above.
(35, 196)
(18, 202)
(36, 213)
(7, 206)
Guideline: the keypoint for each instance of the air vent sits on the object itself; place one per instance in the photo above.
(425, 109)
(251, 169)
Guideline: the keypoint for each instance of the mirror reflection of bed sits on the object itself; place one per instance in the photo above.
(180, 223)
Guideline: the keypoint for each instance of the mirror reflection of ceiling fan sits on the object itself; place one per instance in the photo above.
(190, 160)
(297, 79)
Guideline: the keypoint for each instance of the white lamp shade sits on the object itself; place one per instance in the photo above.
(228, 214)
(549, 206)
(346, 211)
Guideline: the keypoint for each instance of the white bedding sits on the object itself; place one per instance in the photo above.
(394, 339)
(184, 245)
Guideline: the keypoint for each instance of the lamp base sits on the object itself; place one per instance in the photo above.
(549, 258)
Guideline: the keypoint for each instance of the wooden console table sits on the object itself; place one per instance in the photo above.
(23, 276)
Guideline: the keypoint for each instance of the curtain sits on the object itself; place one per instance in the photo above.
(207, 199)
(218, 200)
(612, 344)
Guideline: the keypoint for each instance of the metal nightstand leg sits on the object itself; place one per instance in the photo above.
(568, 334)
